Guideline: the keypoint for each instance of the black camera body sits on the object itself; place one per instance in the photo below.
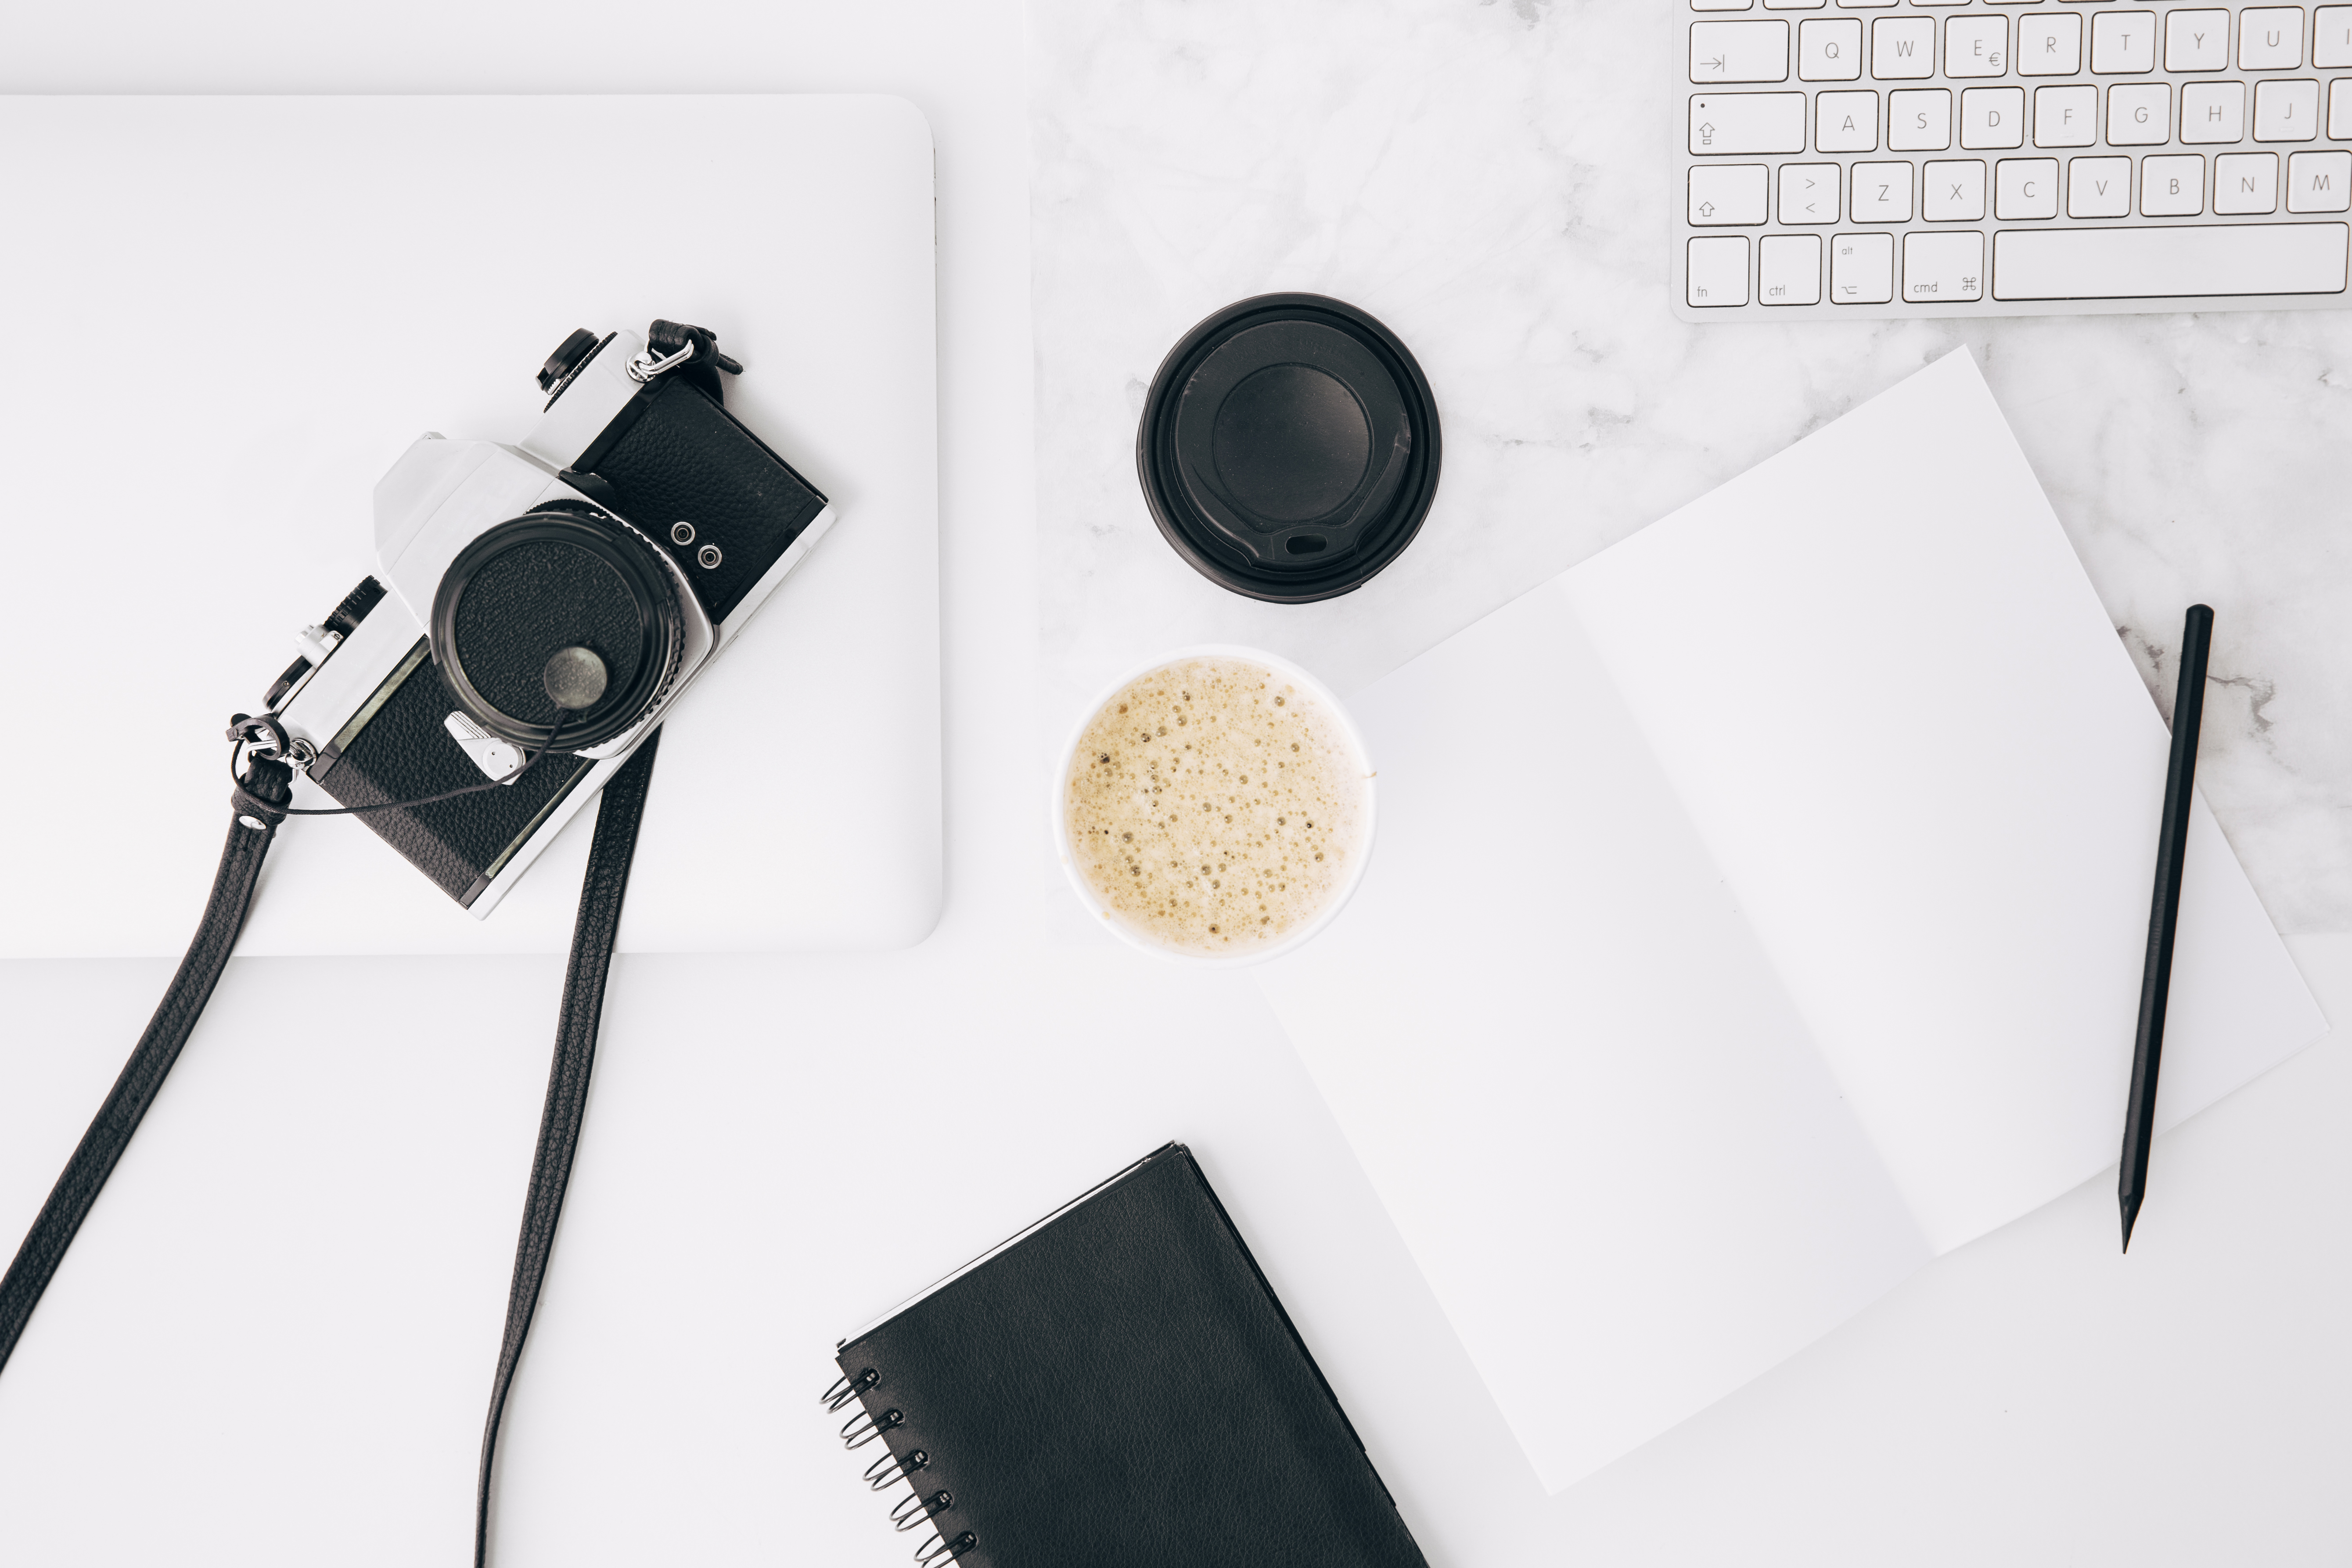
(564, 593)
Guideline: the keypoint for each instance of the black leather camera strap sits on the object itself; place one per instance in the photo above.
(261, 802)
(267, 788)
(599, 921)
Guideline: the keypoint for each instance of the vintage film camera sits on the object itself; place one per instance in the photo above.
(552, 598)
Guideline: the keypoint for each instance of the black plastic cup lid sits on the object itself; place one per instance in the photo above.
(1290, 447)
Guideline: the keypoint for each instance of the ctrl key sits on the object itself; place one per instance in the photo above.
(1789, 270)
(1718, 271)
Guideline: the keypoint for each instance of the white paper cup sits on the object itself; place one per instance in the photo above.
(1128, 934)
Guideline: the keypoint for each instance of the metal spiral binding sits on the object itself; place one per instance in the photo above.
(915, 1509)
(939, 1549)
(846, 1389)
(865, 1426)
(891, 1468)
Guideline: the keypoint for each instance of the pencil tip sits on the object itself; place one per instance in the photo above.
(2131, 1212)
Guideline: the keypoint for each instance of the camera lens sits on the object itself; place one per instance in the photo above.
(557, 615)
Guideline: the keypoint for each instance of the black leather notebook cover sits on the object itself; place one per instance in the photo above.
(1118, 1385)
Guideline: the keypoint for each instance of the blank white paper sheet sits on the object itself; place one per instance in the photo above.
(1758, 912)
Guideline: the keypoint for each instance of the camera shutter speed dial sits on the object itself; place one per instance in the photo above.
(565, 615)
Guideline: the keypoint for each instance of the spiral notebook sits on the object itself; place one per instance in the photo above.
(1756, 913)
(1115, 1384)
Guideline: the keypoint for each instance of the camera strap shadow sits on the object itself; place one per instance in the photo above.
(262, 803)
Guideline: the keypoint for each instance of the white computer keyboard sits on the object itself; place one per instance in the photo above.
(2033, 157)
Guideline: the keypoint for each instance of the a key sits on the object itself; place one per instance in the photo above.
(2098, 187)
(2065, 116)
(2339, 111)
(2123, 42)
(1975, 46)
(1952, 191)
(1902, 47)
(2269, 37)
(1738, 51)
(2172, 185)
(2287, 110)
(2213, 112)
(1992, 116)
(2152, 263)
(1829, 48)
(1716, 272)
(1845, 121)
(2245, 182)
(1882, 193)
(2024, 188)
(1809, 193)
(2197, 41)
(1861, 268)
(1949, 266)
(1919, 119)
(1724, 193)
(2319, 183)
(2052, 44)
(1789, 270)
(2331, 36)
(1746, 122)
(2140, 113)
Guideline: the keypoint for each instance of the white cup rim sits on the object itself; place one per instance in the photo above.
(1290, 670)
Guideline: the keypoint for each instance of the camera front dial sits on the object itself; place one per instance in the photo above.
(562, 614)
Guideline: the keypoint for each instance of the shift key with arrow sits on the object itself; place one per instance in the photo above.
(1726, 193)
(1746, 122)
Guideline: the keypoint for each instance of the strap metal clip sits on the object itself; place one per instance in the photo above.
(644, 367)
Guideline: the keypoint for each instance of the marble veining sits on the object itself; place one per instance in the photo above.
(1490, 179)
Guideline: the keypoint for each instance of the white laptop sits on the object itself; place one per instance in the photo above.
(232, 314)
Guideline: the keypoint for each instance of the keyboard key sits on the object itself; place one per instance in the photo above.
(2331, 36)
(2024, 188)
(1903, 48)
(2245, 182)
(2139, 115)
(2052, 44)
(2098, 187)
(2065, 116)
(1845, 121)
(1726, 193)
(2319, 183)
(1882, 193)
(2270, 39)
(2172, 185)
(1721, 5)
(1919, 119)
(1992, 116)
(1829, 48)
(1790, 270)
(1861, 269)
(2339, 111)
(2287, 110)
(1949, 266)
(1747, 123)
(2123, 42)
(1718, 271)
(1738, 51)
(1809, 193)
(2213, 112)
(1975, 46)
(2197, 41)
(1794, 5)
(2151, 263)
(1953, 191)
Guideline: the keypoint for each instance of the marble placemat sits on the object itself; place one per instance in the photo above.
(1491, 180)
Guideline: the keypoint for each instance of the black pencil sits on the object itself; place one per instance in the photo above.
(2172, 849)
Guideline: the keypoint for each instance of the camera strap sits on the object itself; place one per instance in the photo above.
(262, 803)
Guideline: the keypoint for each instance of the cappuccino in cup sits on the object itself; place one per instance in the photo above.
(1217, 806)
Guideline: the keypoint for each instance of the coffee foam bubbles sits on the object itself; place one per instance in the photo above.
(1214, 807)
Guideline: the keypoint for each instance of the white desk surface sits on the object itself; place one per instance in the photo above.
(272, 1341)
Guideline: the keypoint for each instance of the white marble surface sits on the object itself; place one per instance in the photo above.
(1490, 179)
